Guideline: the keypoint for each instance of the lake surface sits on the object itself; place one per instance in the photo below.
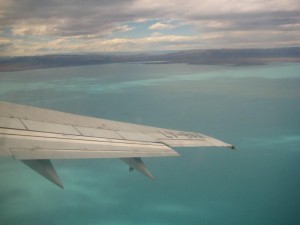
(256, 108)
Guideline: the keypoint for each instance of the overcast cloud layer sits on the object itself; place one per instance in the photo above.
(31, 27)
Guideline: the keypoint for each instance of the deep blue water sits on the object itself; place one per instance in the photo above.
(256, 108)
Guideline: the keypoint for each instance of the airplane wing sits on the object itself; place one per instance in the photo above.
(34, 136)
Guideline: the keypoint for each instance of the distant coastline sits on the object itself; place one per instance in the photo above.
(234, 57)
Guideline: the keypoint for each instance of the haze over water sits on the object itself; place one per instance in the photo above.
(255, 108)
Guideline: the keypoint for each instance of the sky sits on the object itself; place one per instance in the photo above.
(37, 27)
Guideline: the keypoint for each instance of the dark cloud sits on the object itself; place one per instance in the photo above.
(67, 18)
(92, 17)
(249, 21)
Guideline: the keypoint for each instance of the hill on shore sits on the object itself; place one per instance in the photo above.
(235, 57)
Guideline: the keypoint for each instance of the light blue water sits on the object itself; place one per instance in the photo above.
(256, 108)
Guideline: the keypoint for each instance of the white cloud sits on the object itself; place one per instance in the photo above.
(234, 39)
(4, 41)
(156, 34)
(38, 30)
(123, 28)
(217, 24)
(161, 26)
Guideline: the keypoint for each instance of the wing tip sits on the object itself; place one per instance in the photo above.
(233, 147)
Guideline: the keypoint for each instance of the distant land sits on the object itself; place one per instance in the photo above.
(234, 57)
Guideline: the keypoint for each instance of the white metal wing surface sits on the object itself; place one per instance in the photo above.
(34, 136)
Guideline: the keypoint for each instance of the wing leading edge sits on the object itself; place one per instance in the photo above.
(34, 136)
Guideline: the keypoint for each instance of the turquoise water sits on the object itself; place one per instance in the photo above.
(256, 108)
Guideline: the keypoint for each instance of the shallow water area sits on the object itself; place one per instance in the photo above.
(256, 108)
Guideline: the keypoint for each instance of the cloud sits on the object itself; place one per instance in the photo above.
(123, 28)
(234, 39)
(4, 44)
(83, 24)
(161, 26)
(36, 29)
(63, 18)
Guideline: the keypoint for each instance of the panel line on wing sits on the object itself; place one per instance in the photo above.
(91, 142)
(70, 137)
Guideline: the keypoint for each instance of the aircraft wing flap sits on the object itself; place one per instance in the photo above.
(24, 154)
(38, 145)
